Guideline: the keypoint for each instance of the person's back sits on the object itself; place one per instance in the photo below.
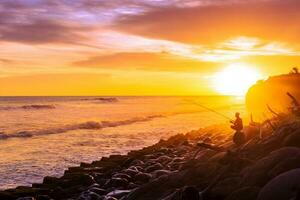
(239, 137)
(238, 123)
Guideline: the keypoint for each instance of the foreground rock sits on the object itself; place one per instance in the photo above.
(179, 168)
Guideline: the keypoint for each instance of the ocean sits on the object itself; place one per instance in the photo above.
(42, 136)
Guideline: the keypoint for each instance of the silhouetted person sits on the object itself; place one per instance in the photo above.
(239, 136)
(237, 123)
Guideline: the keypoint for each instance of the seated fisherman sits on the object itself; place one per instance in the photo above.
(239, 136)
(238, 123)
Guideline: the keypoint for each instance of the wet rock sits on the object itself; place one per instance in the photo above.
(293, 139)
(163, 159)
(137, 162)
(190, 193)
(98, 191)
(88, 195)
(159, 173)
(245, 193)
(122, 175)
(43, 197)
(118, 193)
(110, 198)
(116, 182)
(258, 173)
(69, 180)
(48, 180)
(130, 172)
(99, 178)
(207, 140)
(283, 187)
(142, 177)
(225, 187)
(285, 165)
(58, 193)
(132, 185)
(186, 193)
(154, 167)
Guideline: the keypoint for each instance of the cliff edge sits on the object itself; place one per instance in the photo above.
(273, 93)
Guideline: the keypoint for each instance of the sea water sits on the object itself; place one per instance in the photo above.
(42, 136)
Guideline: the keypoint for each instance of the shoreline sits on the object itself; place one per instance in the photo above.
(165, 169)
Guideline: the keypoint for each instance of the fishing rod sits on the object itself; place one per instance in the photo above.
(210, 109)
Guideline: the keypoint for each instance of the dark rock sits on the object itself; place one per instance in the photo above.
(225, 187)
(164, 159)
(190, 193)
(98, 191)
(116, 182)
(88, 195)
(69, 180)
(26, 198)
(132, 185)
(122, 175)
(137, 162)
(293, 139)
(285, 165)
(246, 193)
(58, 193)
(154, 167)
(186, 193)
(7, 195)
(43, 197)
(162, 172)
(142, 177)
(258, 173)
(118, 193)
(130, 172)
(110, 198)
(48, 180)
(283, 187)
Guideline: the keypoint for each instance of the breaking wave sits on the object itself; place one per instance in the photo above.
(86, 125)
(28, 107)
(102, 99)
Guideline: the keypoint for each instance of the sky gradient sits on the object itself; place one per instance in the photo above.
(141, 47)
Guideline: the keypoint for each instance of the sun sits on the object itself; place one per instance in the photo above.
(236, 79)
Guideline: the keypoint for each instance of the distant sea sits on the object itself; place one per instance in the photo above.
(42, 136)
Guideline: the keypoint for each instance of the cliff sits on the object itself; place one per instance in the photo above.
(273, 92)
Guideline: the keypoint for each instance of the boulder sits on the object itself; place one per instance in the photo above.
(69, 180)
(292, 140)
(88, 195)
(142, 177)
(258, 173)
(245, 193)
(118, 193)
(283, 187)
(154, 167)
(161, 172)
(116, 183)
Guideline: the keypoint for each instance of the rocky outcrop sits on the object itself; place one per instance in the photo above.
(181, 169)
(273, 92)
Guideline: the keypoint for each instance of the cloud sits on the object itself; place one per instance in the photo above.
(209, 24)
(146, 61)
(40, 31)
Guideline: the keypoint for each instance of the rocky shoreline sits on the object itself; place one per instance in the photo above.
(201, 164)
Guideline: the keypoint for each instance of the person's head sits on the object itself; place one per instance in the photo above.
(237, 114)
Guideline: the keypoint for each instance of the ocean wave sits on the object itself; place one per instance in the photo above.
(90, 125)
(102, 99)
(28, 107)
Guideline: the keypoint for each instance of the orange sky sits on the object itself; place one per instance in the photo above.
(128, 47)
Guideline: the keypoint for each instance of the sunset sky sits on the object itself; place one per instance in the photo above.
(141, 47)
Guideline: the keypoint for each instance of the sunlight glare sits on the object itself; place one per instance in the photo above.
(236, 79)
